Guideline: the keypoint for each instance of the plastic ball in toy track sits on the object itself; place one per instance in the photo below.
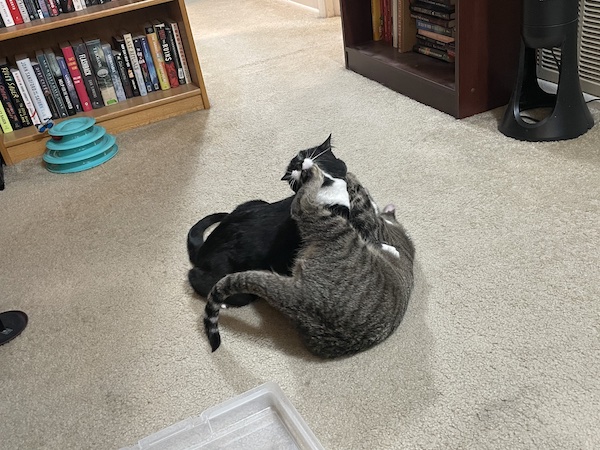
(77, 144)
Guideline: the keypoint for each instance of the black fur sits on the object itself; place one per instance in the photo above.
(256, 235)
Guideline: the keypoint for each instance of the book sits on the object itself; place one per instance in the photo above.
(101, 71)
(87, 74)
(422, 25)
(141, 57)
(79, 5)
(25, 67)
(64, 70)
(170, 67)
(33, 115)
(43, 8)
(23, 11)
(120, 63)
(436, 36)
(407, 28)
(4, 121)
(436, 20)
(8, 81)
(135, 65)
(9, 107)
(6, 15)
(433, 10)
(157, 56)
(143, 41)
(51, 82)
(60, 81)
(376, 19)
(120, 45)
(448, 4)
(32, 9)
(439, 54)
(76, 77)
(52, 6)
(13, 8)
(114, 72)
(66, 6)
(180, 50)
(433, 43)
(47, 93)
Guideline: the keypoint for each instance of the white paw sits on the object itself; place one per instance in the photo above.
(390, 249)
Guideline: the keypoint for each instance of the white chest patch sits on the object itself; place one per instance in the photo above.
(390, 249)
(334, 194)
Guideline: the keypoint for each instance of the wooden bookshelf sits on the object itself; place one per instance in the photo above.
(483, 76)
(104, 21)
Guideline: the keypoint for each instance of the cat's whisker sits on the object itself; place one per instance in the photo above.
(315, 157)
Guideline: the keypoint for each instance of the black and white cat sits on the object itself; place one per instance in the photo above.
(258, 235)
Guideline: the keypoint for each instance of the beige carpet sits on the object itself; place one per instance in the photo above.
(499, 348)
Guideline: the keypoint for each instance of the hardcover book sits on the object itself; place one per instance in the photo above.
(120, 63)
(135, 65)
(89, 79)
(64, 70)
(7, 80)
(139, 51)
(45, 89)
(34, 88)
(120, 45)
(157, 56)
(51, 82)
(35, 119)
(76, 76)
(101, 71)
(114, 71)
(60, 81)
(180, 49)
(170, 67)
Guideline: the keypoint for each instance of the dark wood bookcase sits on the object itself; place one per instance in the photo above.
(483, 76)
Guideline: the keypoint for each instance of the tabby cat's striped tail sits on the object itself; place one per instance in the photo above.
(211, 324)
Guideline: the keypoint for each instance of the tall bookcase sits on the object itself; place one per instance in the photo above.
(104, 21)
(483, 76)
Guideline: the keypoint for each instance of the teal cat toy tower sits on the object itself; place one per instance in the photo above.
(77, 144)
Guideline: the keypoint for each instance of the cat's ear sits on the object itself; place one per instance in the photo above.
(286, 177)
(326, 145)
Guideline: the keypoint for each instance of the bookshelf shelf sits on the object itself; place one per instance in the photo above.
(103, 21)
(482, 77)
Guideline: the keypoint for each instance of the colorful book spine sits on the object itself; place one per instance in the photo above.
(76, 76)
(428, 26)
(89, 79)
(60, 81)
(114, 72)
(64, 70)
(50, 80)
(161, 33)
(175, 54)
(14, 12)
(120, 45)
(33, 88)
(143, 40)
(4, 121)
(7, 80)
(52, 7)
(35, 118)
(66, 6)
(9, 107)
(139, 51)
(157, 56)
(439, 54)
(125, 82)
(23, 11)
(180, 50)
(101, 71)
(6, 15)
(37, 69)
(135, 65)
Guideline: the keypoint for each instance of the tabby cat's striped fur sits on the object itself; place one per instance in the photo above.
(350, 282)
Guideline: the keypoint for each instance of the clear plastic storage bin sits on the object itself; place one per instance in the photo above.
(260, 419)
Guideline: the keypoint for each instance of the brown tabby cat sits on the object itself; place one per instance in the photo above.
(351, 280)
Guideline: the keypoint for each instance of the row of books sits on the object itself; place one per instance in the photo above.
(425, 26)
(88, 73)
(436, 28)
(16, 12)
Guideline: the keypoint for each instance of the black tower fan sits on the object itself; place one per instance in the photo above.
(548, 24)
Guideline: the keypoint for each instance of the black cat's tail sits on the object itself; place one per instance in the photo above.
(195, 237)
